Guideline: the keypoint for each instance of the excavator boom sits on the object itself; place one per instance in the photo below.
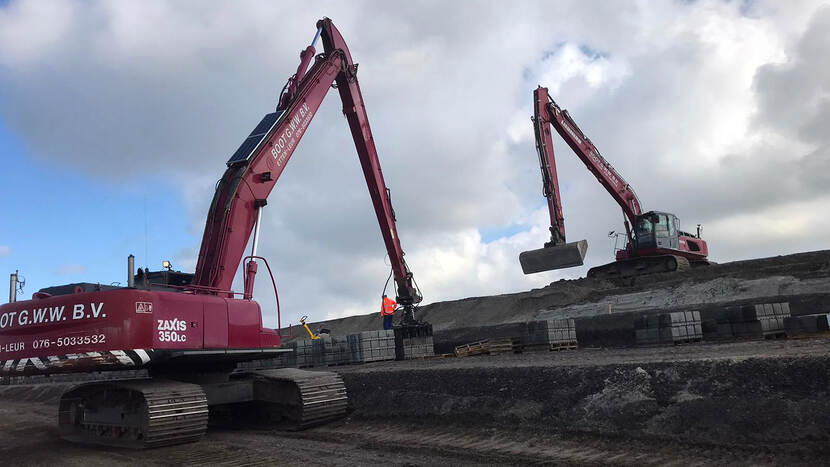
(256, 166)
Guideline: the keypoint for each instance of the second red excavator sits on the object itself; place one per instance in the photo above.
(655, 242)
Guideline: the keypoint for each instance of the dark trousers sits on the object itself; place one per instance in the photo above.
(387, 321)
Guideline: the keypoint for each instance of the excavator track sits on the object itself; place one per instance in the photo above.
(301, 398)
(134, 414)
(158, 412)
(640, 266)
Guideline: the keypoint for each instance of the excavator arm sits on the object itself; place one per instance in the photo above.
(607, 176)
(258, 163)
(550, 182)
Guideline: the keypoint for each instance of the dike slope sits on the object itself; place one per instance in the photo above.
(803, 279)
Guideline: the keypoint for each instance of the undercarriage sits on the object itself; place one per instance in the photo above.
(159, 411)
(639, 266)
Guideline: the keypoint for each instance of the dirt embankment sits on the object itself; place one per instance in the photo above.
(803, 279)
(708, 395)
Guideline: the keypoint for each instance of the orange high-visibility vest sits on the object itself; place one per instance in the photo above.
(387, 307)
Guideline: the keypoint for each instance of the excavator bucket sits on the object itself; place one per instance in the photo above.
(562, 256)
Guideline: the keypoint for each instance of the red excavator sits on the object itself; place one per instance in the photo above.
(190, 330)
(655, 242)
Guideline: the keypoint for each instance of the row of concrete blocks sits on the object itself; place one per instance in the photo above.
(807, 324)
(555, 333)
(668, 328)
(744, 321)
(760, 320)
(363, 347)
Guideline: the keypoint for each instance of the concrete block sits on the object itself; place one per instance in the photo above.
(759, 311)
(747, 329)
(725, 330)
(721, 315)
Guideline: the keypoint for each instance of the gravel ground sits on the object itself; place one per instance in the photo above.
(746, 403)
(28, 437)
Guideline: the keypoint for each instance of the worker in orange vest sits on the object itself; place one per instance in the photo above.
(387, 311)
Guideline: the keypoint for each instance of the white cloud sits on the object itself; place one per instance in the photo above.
(676, 95)
(42, 26)
(5, 250)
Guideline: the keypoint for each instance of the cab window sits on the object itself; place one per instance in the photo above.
(662, 226)
(644, 227)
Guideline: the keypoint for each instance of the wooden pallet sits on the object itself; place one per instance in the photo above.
(691, 340)
(438, 355)
(564, 346)
(549, 347)
(468, 350)
(487, 347)
(505, 345)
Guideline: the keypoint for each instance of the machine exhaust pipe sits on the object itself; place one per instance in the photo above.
(13, 287)
(131, 271)
(567, 255)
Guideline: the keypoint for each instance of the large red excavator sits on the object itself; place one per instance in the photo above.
(655, 242)
(190, 330)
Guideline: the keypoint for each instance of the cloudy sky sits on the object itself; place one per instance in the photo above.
(116, 119)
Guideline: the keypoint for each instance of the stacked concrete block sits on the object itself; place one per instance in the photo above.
(372, 346)
(668, 328)
(418, 347)
(772, 316)
(753, 321)
(551, 334)
(303, 353)
(338, 353)
(414, 341)
(328, 350)
(807, 324)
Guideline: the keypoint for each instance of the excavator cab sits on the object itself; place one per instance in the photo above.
(656, 229)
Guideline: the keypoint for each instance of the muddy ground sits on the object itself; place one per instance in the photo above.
(745, 403)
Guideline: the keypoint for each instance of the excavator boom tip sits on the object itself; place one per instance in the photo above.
(567, 255)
